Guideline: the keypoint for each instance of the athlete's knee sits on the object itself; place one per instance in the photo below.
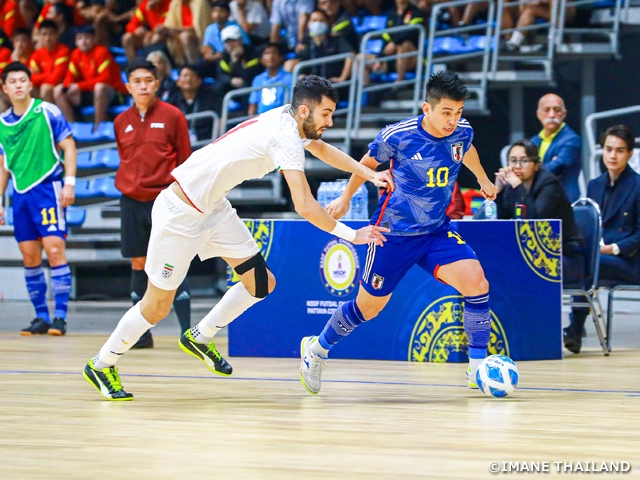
(272, 281)
(369, 311)
(264, 280)
(154, 310)
(56, 254)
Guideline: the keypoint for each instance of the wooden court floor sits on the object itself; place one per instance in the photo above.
(372, 420)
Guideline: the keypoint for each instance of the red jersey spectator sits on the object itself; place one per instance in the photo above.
(22, 46)
(10, 17)
(93, 78)
(186, 22)
(78, 19)
(50, 63)
(5, 58)
(139, 31)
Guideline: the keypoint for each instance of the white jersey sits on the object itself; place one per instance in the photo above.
(250, 150)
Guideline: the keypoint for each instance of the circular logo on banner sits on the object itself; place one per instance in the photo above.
(339, 267)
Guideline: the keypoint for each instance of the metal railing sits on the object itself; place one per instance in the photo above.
(528, 55)
(215, 125)
(416, 82)
(588, 47)
(350, 83)
(480, 78)
(225, 121)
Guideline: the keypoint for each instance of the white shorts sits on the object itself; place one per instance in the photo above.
(179, 232)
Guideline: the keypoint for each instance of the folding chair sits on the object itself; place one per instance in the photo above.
(614, 287)
(589, 221)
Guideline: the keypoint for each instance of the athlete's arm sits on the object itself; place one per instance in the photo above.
(310, 209)
(4, 180)
(471, 160)
(338, 159)
(340, 206)
(68, 146)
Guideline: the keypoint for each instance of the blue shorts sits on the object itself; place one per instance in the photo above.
(38, 214)
(386, 266)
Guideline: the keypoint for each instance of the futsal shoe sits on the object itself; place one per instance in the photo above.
(38, 327)
(207, 353)
(58, 327)
(471, 379)
(311, 366)
(572, 340)
(145, 341)
(107, 382)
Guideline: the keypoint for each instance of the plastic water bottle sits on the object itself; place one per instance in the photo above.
(359, 204)
(490, 210)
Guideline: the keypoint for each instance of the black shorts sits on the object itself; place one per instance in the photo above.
(135, 222)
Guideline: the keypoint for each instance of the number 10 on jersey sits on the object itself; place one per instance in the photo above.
(438, 179)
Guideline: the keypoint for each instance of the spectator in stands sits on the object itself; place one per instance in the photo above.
(239, 64)
(319, 43)
(163, 70)
(617, 192)
(474, 10)
(253, 18)
(5, 59)
(293, 16)
(109, 17)
(457, 207)
(560, 148)
(48, 64)
(93, 78)
(153, 139)
(213, 46)
(62, 15)
(340, 24)
(529, 12)
(185, 24)
(141, 29)
(22, 46)
(370, 7)
(11, 17)
(405, 42)
(78, 19)
(194, 97)
(30, 9)
(269, 97)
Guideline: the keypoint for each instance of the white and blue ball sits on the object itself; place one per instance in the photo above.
(497, 376)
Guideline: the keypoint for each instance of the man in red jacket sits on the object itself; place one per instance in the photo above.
(153, 139)
(50, 63)
(93, 78)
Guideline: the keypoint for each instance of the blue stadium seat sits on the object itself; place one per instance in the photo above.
(208, 81)
(123, 76)
(84, 189)
(105, 130)
(108, 158)
(175, 73)
(107, 186)
(369, 23)
(83, 132)
(390, 77)
(479, 42)
(234, 106)
(449, 45)
(75, 216)
(8, 215)
(84, 161)
(116, 50)
(374, 47)
(98, 187)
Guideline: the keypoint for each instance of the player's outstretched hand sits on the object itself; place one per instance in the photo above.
(338, 208)
(488, 190)
(371, 233)
(384, 180)
(68, 196)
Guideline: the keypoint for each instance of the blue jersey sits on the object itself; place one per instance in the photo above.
(424, 169)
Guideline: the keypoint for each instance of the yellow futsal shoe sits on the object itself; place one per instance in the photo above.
(107, 382)
(471, 379)
(207, 353)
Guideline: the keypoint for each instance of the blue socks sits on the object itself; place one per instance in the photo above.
(61, 287)
(346, 317)
(37, 288)
(477, 325)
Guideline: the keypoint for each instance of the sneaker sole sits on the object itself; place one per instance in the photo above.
(55, 332)
(86, 377)
(304, 384)
(30, 334)
(186, 349)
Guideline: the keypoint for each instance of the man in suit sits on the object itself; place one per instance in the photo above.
(617, 192)
(559, 147)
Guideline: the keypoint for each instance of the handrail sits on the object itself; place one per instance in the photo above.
(351, 83)
(419, 53)
(239, 92)
(214, 127)
(611, 33)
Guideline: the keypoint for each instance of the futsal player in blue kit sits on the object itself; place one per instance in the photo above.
(426, 154)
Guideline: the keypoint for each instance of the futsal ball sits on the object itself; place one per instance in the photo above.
(497, 376)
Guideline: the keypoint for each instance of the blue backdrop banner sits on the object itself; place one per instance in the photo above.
(316, 272)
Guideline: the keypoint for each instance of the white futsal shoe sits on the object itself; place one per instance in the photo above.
(310, 366)
(471, 379)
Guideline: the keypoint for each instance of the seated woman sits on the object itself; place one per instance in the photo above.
(527, 190)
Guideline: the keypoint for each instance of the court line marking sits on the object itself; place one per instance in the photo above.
(630, 393)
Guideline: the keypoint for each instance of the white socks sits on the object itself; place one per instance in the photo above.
(130, 328)
(474, 363)
(516, 38)
(231, 306)
(318, 349)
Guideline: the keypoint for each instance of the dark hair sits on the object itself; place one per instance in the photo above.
(49, 24)
(142, 64)
(530, 148)
(624, 133)
(66, 11)
(22, 31)
(447, 85)
(221, 4)
(194, 68)
(311, 89)
(277, 46)
(15, 67)
(326, 17)
(88, 29)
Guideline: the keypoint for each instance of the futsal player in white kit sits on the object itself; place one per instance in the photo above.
(192, 216)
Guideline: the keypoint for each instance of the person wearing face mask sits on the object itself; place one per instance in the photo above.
(560, 148)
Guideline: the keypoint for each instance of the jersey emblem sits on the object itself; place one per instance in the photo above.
(167, 270)
(157, 125)
(377, 281)
(128, 129)
(52, 228)
(456, 152)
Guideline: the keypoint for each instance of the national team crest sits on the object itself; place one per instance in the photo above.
(456, 152)
(167, 270)
(377, 281)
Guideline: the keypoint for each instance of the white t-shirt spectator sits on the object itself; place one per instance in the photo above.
(286, 12)
(256, 15)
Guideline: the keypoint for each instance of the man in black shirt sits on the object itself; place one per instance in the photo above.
(239, 64)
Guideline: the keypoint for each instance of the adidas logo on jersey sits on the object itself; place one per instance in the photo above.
(157, 125)
(52, 228)
(128, 129)
(417, 156)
